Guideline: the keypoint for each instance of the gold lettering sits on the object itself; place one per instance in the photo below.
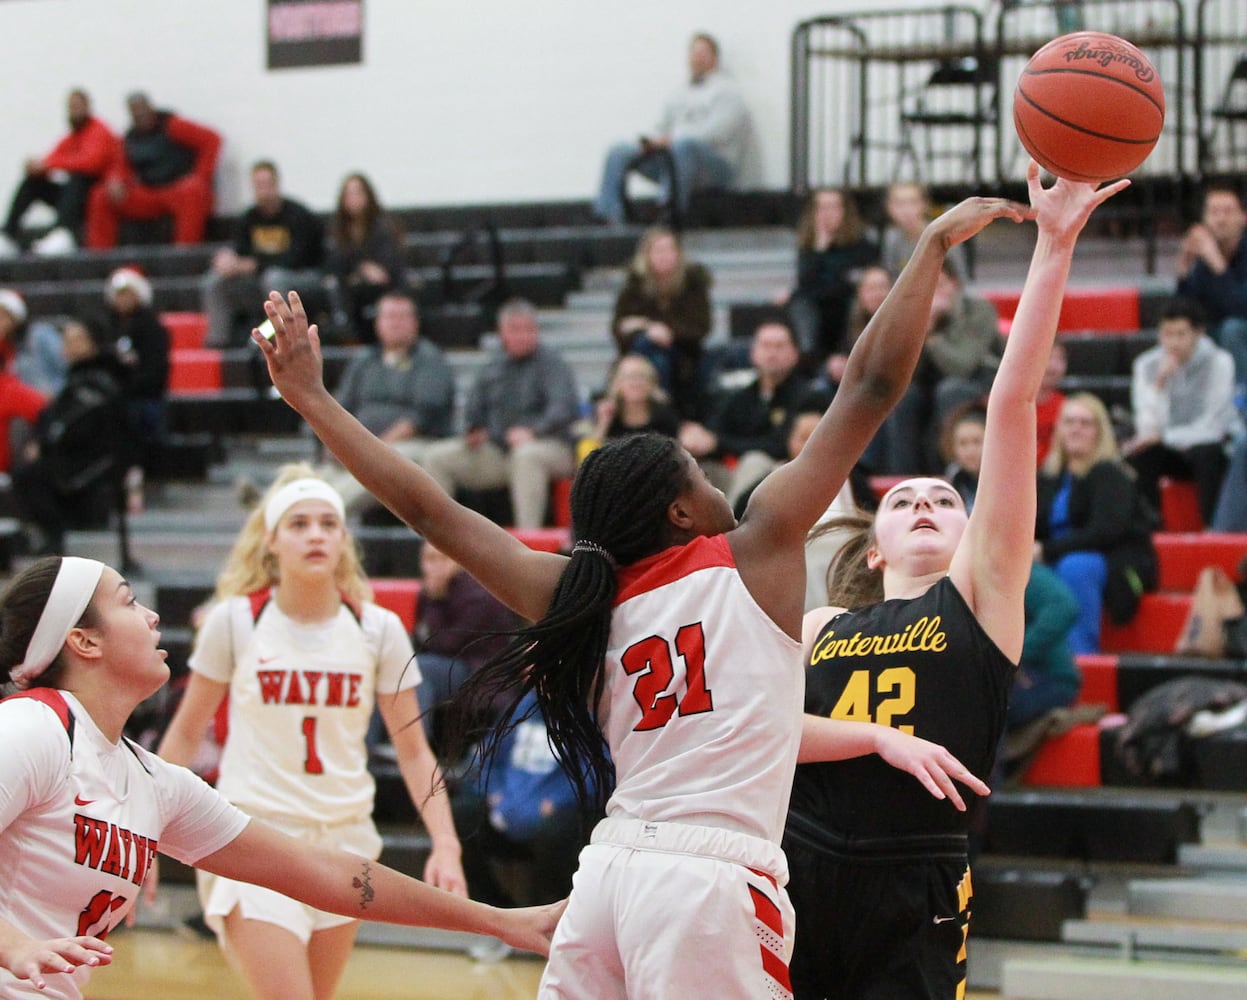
(924, 635)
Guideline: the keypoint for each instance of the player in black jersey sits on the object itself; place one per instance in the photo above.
(880, 877)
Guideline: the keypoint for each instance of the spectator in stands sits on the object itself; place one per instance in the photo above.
(663, 313)
(908, 208)
(1212, 269)
(279, 245)
(81, 445)
(1050, 399)
(961, 447)
(459, 626)
(141, 343)
(522, 809)
(832, 250)
(958, 364)
(703, 132)
(519, 419)
(633, 403)
(1182, 394)
(1231, 512)
(37, 358)
(751, 424)
(1093, 524)
(164, 167)
(62, 179)
(1047, 676)
(20, 403)
(400, 388)
(872, 288)
(364, 257)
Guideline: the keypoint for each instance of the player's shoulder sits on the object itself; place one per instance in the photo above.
(816, 620)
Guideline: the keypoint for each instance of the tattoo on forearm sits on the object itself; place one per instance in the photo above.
(364, 884)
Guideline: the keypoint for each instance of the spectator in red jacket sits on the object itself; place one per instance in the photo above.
(62, 179)
(18, 401)
(165, 167)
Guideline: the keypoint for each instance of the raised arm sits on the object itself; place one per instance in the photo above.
(993, 560)
(519, 577)
(791, 499)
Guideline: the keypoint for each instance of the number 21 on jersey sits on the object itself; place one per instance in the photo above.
(854, 702)
(651, 662)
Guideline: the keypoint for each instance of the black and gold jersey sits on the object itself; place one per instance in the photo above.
(923, 665)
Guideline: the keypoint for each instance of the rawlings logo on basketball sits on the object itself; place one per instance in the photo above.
(1105, 57)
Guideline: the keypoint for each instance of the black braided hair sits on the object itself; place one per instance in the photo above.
(619, 501)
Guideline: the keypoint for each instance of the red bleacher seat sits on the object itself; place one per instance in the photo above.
(1179, 505)
(1071, 760)
(400, 595)
(544, 539)
(194, 370)
(561, 502)
(1155, 628)
(1099, 680)
(881, 484)
(186, 329)
(1110, 310)
(1183, 554)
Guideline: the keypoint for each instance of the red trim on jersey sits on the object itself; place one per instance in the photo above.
(675, 563)
(54, 700)
(258, 600)
(766, 911)
(776, 968)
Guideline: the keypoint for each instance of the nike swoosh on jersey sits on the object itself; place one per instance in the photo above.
(80, 801)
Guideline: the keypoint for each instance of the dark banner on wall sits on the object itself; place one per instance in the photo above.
(315, 32)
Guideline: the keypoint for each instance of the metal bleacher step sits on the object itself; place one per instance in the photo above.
(1223, 857)
(1221, 897)
(1133, 934)
(1073, 978)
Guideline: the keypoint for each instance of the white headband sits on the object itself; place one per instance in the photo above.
(75, 585)
(300, 489)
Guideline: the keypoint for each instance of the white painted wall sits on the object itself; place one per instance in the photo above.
(457, 101)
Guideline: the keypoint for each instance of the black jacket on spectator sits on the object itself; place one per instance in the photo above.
(84, 445)
(1108, 514)
(142, 343)
(293, 238)
(744, 421)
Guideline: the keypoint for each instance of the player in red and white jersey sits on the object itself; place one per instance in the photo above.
(693, 676)
(83, 811)
(302, 655)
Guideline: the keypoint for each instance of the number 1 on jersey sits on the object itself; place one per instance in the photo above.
(651, 662)
(312, 763)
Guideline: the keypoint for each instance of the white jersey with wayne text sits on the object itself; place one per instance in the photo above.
(81, 819)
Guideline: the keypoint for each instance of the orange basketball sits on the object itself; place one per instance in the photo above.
(1089, 106)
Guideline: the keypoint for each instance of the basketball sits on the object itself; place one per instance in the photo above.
(1089, 106)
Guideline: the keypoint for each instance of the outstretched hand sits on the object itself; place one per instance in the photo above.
(293, 352)
(34, 960)
(531, 928)
(931, 764)
(972, 216)
(1063, 209)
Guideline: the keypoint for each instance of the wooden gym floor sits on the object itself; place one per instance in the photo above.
(161, 964)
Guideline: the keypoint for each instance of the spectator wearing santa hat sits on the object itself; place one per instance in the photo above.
(141, 342)
(31, 346)
(20, 404)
